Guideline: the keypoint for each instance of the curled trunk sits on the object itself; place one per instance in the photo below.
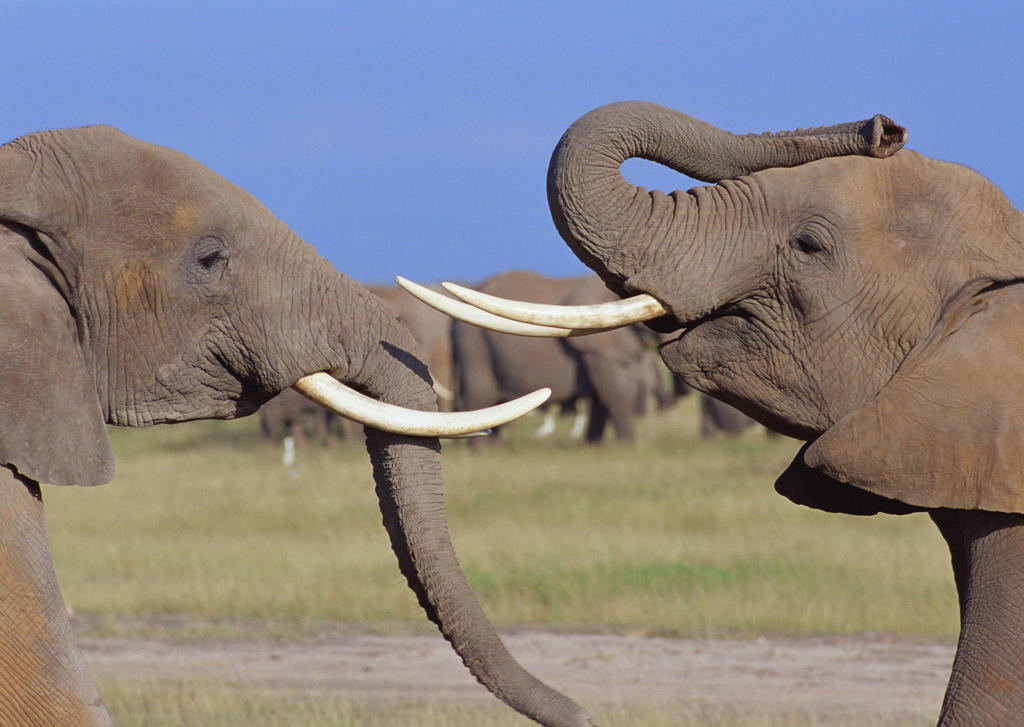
(610, 224)
(407, 472)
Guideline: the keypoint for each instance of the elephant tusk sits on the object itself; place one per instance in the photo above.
(469, 314)
(598, 316)
(331, 394)
(443, 392)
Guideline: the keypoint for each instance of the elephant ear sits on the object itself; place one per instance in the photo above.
(813, 488)
(947, 431)
(52, 429)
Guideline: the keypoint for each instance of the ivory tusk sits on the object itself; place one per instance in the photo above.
(443, 392)
(601, 316)
(469, 314)
(331, 394)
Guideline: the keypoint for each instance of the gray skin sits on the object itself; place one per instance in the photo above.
(716, 417)
(606, 371)
(431, 329)
(138, 287)
(864, 299)
(291, 414)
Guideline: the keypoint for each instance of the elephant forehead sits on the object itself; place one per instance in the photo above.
(852, 184)
(182, 218)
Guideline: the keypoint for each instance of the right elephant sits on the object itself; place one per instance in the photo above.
(864, 299)
(613, 375)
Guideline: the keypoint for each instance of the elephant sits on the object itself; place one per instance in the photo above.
(844, 291)
(717, 417)
(290, 414)
(612, 374)
(139, 288)
(432, 330)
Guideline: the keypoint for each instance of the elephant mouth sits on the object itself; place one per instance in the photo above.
(537, 319)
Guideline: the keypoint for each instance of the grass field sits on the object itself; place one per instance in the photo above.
(203, 534)
(189, 704)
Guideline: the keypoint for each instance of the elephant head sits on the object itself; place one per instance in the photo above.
(826, 285)
(839, 290)
(138, 287)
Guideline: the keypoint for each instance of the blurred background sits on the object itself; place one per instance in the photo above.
(413, 138)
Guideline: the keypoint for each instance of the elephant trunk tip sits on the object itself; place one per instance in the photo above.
(885, 136)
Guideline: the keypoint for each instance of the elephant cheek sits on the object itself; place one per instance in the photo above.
(701, 356)
(730, 359)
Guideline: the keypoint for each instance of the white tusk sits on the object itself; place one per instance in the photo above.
(331, 394)
(443, 391)
(469, 314)
(602, 316)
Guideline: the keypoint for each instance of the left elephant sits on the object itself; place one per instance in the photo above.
(138, 287)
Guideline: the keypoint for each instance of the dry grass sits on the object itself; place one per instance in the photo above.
(188, 704)
(203, 526)
(203, 534)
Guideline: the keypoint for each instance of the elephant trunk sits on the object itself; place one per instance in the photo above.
(407, 472)
(611, 225)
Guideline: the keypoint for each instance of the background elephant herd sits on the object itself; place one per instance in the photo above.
(612, 378)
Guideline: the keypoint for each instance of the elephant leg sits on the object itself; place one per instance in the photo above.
(579, 421)
(611, 384)
(43, 677)
(717, 416)
(987, 684)
(547, 426)
(296, 432)
(596, 422)
(621, 413)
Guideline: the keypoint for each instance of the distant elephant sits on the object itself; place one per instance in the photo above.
(717, 417)
(865, 299)
(138, 287)
(654, 382)
(650, 383)
(607, 373)
(291, 414)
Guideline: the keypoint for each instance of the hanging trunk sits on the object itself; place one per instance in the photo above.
(611, 224)
(407, 471)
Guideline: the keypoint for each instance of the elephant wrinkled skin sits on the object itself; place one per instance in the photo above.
(432, 331)
(865, 299)
(138, 287)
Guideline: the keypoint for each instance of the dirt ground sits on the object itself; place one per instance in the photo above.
(882, 676)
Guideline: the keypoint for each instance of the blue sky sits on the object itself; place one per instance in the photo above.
(413, 137)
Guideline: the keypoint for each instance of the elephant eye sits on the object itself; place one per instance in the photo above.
(209, 261)
(808, 243)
